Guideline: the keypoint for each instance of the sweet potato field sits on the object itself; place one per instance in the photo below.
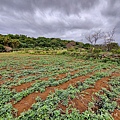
(56, 87)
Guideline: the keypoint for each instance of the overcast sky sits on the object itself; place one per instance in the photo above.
(65, 19)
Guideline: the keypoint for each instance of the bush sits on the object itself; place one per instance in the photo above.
(116, 51)
(97, 50)
(1, 48)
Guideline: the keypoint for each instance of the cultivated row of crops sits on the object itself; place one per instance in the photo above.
(58, 88)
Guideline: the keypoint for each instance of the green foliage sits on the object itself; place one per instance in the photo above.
(111, 46)
(22, 41)
(116, 51)
(1, 48)
(87, 46)
(97, 50)
(36, 68)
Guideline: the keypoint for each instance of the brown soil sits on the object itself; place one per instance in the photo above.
(118, 101)
(86, 96)
(74, 72)
(24, 86)
(82, 100)
(61, 76)
(26, 102)
(8, 79)
(76, 103)
(46, 78)
(3, 68)
(1, 82)
(79, 104)
(116, 114)
(27, 67)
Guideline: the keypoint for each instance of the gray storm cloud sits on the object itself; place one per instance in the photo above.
(68, 19)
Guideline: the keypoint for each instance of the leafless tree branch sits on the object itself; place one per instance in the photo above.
(93, 38)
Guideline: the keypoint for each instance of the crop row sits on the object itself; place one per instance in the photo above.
(18, 81)
(42, 85)
(10, 73)
(107, 98)
(48, 109)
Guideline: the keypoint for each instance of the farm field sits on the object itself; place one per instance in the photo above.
(58, 87)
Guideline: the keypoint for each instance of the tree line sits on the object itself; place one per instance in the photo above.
(23, 41)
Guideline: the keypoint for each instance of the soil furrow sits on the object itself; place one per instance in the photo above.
(26, 102)
(116, 114)
(24, 86)
(81, 102)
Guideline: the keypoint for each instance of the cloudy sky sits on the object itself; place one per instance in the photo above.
(65, 19)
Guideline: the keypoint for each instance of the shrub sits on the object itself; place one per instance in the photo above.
(97, 50)
(116, 51)
(1, 48)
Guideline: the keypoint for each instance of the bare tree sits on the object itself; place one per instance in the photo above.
(96, 36)
(89, 39)
(109, 38)
(93, 38)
